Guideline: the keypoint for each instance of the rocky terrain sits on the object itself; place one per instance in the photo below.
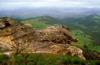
(53, 39)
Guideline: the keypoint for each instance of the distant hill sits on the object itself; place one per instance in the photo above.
(91, 20)
(57, 12)
(89, 24)
(46, 19)
(42, 22)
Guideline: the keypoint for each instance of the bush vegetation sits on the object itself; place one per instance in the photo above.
(44, 59)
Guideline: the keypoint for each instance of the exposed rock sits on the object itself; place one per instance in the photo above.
(74, 51)
(57, 34)
(53, 39)
(16, 34)
(6, 21)
(54, 48)
(91, 55)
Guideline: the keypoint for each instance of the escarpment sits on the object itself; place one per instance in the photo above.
(53, 39)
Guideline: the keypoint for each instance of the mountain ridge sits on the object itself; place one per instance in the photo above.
(57, 12)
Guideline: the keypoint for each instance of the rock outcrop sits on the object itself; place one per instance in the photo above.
(6, 21)
(55, 48)
(57, 34)
(15, 35)
(53, 39)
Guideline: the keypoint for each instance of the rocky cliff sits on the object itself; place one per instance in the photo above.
(15, 35)
(53, 39)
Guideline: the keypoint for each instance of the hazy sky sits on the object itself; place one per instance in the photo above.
(13, 4)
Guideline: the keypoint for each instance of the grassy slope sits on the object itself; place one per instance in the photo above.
(83, 38)
(41, 22)
(91, 23)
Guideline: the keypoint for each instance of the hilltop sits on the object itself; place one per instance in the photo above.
(42, 22)
(91, 20)
(57, 12)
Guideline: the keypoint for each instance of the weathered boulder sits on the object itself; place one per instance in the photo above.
(54, 48)
(57, 34)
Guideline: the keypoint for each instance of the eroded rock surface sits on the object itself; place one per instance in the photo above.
(55, 48)
(53, 39)
(6, 21)
(16, 35)
(57, 34)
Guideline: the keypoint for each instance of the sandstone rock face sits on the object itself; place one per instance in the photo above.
(74, 51)
(57, 34)
(16, 34)
(54, 48)
(6, 21)
(53, 39)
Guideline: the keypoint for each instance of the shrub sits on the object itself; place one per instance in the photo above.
(97, 62)
(30, 63)
(1, 51)
(73, 60)
(3, 57)
(17, 58)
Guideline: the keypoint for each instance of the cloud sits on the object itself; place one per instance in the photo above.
(50, 1)
(43, 3)
(53, 3)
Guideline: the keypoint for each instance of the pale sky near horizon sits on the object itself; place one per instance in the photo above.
(13, 4)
